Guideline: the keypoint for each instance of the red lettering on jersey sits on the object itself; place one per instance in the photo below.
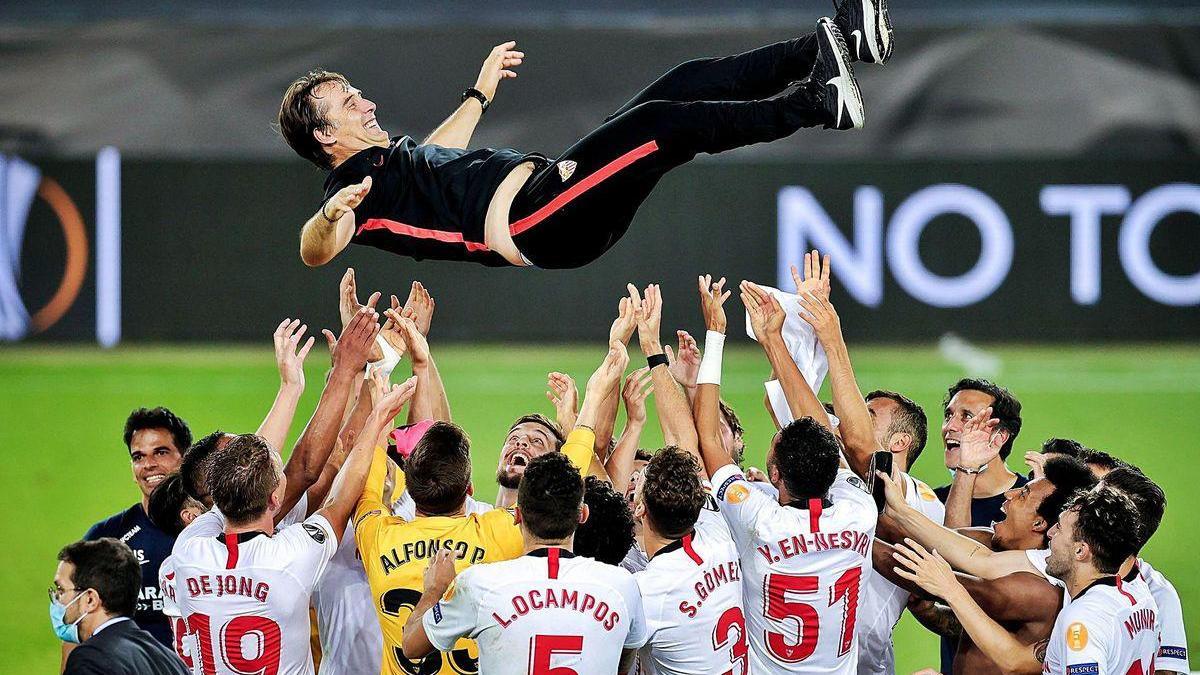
(1143, 619)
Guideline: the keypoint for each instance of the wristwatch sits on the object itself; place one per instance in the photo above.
(971, 472)
(472, 92)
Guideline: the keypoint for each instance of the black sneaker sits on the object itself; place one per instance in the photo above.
(835, 80)
(867, 29)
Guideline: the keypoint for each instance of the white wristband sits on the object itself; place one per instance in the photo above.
(391, 359)
(710, 364)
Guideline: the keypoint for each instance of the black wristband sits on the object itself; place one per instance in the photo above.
(474, 93)
(657, 360)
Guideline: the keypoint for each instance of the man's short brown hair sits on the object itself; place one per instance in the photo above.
(538, 418)
(439, 469)
(300, 114)
(672, 492)
(242, 475)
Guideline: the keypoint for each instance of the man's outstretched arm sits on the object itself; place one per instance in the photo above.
(456, 131)
(329, 230)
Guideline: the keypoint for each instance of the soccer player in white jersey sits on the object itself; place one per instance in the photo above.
(243, 591)
(1110, 627)
(691, 588)
(548, 611)
(803, 555)
(901, 428)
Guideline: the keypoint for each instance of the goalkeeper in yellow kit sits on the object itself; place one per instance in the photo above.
(395, 551)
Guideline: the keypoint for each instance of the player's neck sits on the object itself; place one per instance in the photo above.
(533, 543)
(341, 153)
(995, 480)
(653, 542)
(1081, 577)
(89, 624)
(263, 523)
(505, 498)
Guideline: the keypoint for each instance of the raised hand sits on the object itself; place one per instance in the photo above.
(497, 67)
(712, 301)
(357, 340)
(414, 341)
(926, 569)
(289, 354)
(648, 311)
(684, 366)
(815, 277)
(346, 200)
(565, 397)
(818, 312)
(440, 573)
(892, 492)
(625, 323)
(979, 442)
(610, 371)
(392, 333)
(393, 399)
(419, 307)
(766, 314)
(637, 389)
(1037, 463)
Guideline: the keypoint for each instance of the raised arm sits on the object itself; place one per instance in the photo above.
(312, 450)
(289, 358)
(348, 486)
(619, 464)
(766, 318)
(674, 414)
(706, 405)
(931, 572)
(329, 230)
(964, 553)
(430, 400)
(456, 130)
(977, 447)
(857, 429)
(564, 395)
(606, 416)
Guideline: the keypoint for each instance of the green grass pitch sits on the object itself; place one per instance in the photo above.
(62, 410)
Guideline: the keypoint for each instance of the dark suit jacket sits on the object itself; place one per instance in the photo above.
(123, 649)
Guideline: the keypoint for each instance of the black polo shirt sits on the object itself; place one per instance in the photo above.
(151, 546)
(426, 201)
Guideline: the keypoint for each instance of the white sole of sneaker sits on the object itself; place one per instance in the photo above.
(849, 97)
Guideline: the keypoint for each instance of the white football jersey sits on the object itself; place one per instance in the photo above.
(244, 597)
(1111, 628)
(802, 569)
(548, 611)
(882, 602)
(1172, 649)
(692, 595)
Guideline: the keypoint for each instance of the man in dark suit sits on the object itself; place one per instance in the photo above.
(94, 596)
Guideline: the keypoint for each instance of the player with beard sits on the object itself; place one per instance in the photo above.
(1108, 624)
(1025, 604)
(438, 200)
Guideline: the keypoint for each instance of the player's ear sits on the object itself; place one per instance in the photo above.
(583, 513)
(1040, 525)
(470, 489)
(899, 443)
(323, 135)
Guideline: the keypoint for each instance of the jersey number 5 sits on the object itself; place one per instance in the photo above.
(542, 648)
(778, 605)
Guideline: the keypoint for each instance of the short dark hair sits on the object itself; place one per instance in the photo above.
(607, 534)
(242, 477)
(643, 455)
(731, 418)
(1102, 459)
(109, 567)
(910, 419)
(166, 502)
(158, 418)
(1064, 446)
(438, 471)
(538, 418)
(550, 495)
(1108, 523)
(1005, 407)
(806, 456)
(300, 114)
(1147, 496)
(194, 468)
(672, 492)
(1068, 475)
